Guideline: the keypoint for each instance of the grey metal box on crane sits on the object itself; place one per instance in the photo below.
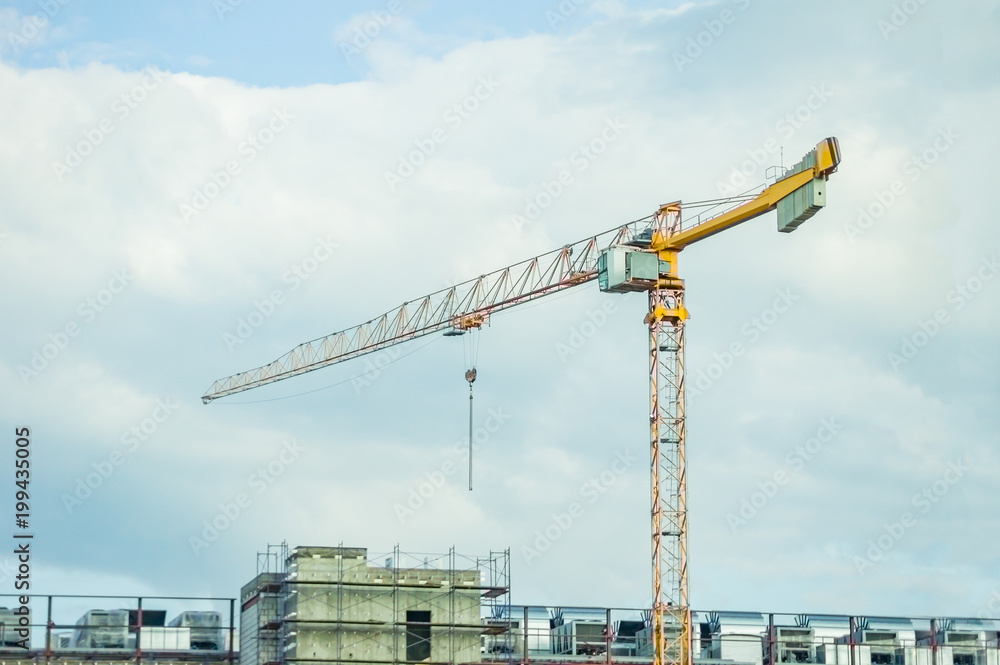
(801, 204)
(622, 270)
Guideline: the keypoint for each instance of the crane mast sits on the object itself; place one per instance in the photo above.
(634, 257)
(668, 481)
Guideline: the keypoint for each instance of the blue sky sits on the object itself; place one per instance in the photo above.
(170, 178)
(270, 45)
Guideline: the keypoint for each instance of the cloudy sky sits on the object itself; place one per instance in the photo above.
(189, 189)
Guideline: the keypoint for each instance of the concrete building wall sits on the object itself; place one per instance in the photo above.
(340, 608)
(260, 605)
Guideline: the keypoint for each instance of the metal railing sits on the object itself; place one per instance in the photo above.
(69, 628)
(600, 635)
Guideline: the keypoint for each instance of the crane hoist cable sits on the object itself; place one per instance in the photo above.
(470, 355)
(470, 376)
(471, 358)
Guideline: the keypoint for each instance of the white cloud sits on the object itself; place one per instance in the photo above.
(324, 175)
(19, 33)
(198, 61)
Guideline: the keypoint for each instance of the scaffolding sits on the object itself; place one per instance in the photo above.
(261, 609)
(344, 605)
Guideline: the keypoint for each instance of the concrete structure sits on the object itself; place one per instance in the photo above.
(260, 619)
(333, 604)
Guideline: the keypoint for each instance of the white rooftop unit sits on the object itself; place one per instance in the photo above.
(205, 627)
(885, 646)
(736, 636)
(966, 644)
(840, 654)
(10, 625)
(904, 628)
(625, 642)
(993, 652)
(161, 638)
(793, 644)
(828, 634)
(580, 637)
(496, 641)
(954, 647)
(102, 629)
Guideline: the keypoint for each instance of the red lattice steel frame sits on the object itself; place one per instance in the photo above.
(466, 305)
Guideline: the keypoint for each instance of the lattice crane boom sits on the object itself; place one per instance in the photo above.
(461, 307)
(638, 256)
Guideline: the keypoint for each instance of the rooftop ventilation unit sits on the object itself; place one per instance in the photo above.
(580, 638)
(839, 653)
(967, 646)
(502, 637)
(883, 645)
(624, 643)
(791, 645)
(10, 627)
(102, 629)
(734, 636)
(206, 629)
(955, 647)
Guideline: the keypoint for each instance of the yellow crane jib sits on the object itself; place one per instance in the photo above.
(650, 261)
(797, 195)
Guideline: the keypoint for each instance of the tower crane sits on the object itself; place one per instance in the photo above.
(638, 256)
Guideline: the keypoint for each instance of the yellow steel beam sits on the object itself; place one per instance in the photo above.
(827, 159)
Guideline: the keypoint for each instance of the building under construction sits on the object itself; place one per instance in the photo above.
(341, 605)
(338, 604)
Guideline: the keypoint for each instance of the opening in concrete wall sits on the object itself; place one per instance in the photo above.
(418, 635)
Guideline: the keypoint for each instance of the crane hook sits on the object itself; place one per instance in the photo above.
(470, 376)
